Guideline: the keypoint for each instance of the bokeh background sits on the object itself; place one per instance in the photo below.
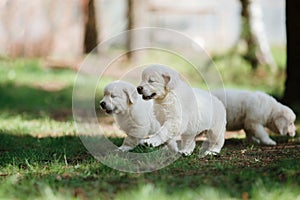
(253, 44)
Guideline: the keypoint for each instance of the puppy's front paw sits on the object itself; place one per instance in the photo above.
(186, 153)
(154, 141)
(269, 142)
(203, 154)
(125, 148)
(264, 141)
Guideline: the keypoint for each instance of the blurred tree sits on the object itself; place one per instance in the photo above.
(135, 9)
(253, 33)
(90, 27)
(292, 84)
(130, 25)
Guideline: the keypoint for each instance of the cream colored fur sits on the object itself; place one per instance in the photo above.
(133, 115)
(253, 111)
(183, 111)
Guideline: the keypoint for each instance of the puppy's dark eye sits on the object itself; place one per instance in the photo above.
(150, 81)
(112, 96)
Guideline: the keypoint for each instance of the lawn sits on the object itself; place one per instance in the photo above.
(41, 157)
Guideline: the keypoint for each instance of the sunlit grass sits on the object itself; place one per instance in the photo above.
(30, 71)
(22, 124)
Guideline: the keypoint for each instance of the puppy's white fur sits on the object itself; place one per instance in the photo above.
(183, 111)
(252, 111)
(133, 115)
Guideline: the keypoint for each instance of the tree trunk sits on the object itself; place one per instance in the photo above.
(247, 36)
(90, 27)
(257, 30)
(292, 84)
(130, 25)
(253, 33)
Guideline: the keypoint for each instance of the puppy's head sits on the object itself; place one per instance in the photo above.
(283, 121)
(118, 97)
(157, 81)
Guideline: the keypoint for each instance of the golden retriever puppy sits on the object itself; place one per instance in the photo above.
(183, 111)
(252, 111)
(133, 115)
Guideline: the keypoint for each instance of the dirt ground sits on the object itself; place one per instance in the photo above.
(235, 142)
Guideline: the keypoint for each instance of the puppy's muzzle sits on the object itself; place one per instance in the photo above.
(149, 97)
(140, 91)
(103, 106)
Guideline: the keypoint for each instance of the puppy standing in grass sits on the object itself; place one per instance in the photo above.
(134, 115)
(252, 111)
(183, 111)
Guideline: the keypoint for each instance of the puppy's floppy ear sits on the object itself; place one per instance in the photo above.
(131, 95)
(170, 81)
(281, 124)
(282, 119)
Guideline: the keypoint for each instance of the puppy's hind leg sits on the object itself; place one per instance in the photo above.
(203, 148)
(172, 145)
(187, 144)
(214, 143)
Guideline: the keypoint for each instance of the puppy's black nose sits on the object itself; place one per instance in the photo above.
(102, 104)
(140, 89)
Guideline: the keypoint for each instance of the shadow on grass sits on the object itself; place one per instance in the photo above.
(63, 162)
(34, 101)
(18, 149)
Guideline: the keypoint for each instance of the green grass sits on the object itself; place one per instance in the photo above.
(34, 167)
(42, 158)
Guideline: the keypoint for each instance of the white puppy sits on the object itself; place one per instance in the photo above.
(183, 111)
(134, 115)
(252, 111)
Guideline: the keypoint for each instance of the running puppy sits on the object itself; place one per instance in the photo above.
(253, 111)
(134, 115)
(183, 111)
